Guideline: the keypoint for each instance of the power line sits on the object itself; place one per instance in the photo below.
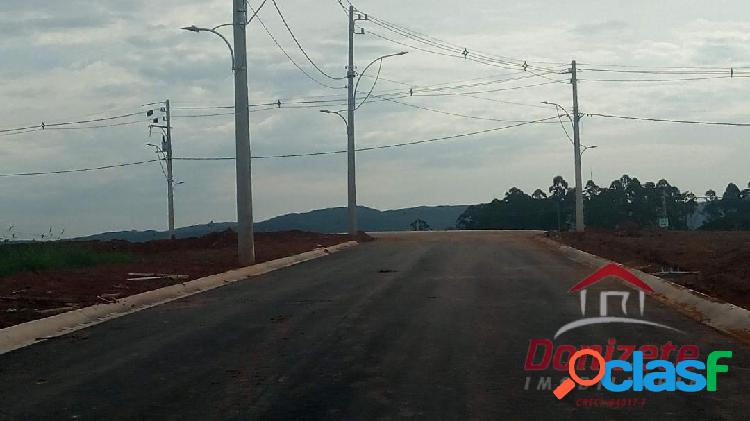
(727, 71)
(462, 85)
(624, 68)
(102, 126)
(419, 107)
(60, 125)
(667, 80)
(255, 14)
(453, 55)
(482, 81)
(510, 88)
(78, 170)
(374, 83)
(278, 45)
(220, 114)
(294, 155)
(456, 51)
(296, 41)
(275, 104)
(663, 120)
(501, 101)
(437, 43)
(429, 90)
(372, 148)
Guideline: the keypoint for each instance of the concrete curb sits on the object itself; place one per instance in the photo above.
(25, 334)
(720, 315)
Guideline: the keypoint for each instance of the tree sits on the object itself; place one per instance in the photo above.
(591, 190)
(626, 201)
(559, 188)
(420, 225)
(539, 194)
(731, 193)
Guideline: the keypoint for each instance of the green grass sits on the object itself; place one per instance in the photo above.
(31, 257)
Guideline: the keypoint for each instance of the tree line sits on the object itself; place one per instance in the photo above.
(625, 203)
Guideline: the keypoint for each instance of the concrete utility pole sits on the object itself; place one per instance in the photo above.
(167, 148)
(350, 153)
(245, 244)
(577, 150)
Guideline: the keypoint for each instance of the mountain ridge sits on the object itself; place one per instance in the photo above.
(328, 220)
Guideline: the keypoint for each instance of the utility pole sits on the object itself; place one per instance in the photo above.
(350, 153)
(577, 150)
(245, 241)
(167, 148)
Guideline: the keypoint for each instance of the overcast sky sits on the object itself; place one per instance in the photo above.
(62, 61)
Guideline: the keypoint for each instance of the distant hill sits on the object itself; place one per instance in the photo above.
(331, 220)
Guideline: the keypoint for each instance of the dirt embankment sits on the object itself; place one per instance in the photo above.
(721, 259)
(33, 295)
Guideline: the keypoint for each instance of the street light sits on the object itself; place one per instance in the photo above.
(401, 53)
(584, 148)
(350, 146)
(338, 113)
(577, 151)
(196, 29)
(560, 107)
(245, 241)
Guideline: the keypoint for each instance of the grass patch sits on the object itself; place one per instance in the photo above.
(32, 257)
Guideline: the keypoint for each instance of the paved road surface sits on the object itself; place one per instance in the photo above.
(429, 326)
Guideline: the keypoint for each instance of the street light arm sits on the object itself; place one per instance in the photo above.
(369, 65)
(372, 88)
(584, 148)
(338, 113)
(197, 29)
(567, 114)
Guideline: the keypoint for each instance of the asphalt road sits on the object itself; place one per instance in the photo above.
(428, 326)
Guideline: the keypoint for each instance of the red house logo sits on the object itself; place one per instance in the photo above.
(613, 270)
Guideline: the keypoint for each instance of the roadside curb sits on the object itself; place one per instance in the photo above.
(720, 315)
(25, 334)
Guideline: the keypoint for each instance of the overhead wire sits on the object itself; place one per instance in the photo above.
(60, 125)
(688, 79)
(372, 88)
(372, 148)
(78, 170)
(419, 107)
(289, 57)
(664, 120)
(296, 41)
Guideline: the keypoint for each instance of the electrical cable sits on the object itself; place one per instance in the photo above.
(374, 83)
(296, 41)
(104, 167)
(372, 148)
(255, 13)
(666, 80)
(278, 45)
(419, 107)
(67, 123)
(663, 120)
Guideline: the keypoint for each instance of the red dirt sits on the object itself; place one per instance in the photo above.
(34, 295)
(721, 258)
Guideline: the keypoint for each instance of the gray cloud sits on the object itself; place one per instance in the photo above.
(67, 60)
(598, 29)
